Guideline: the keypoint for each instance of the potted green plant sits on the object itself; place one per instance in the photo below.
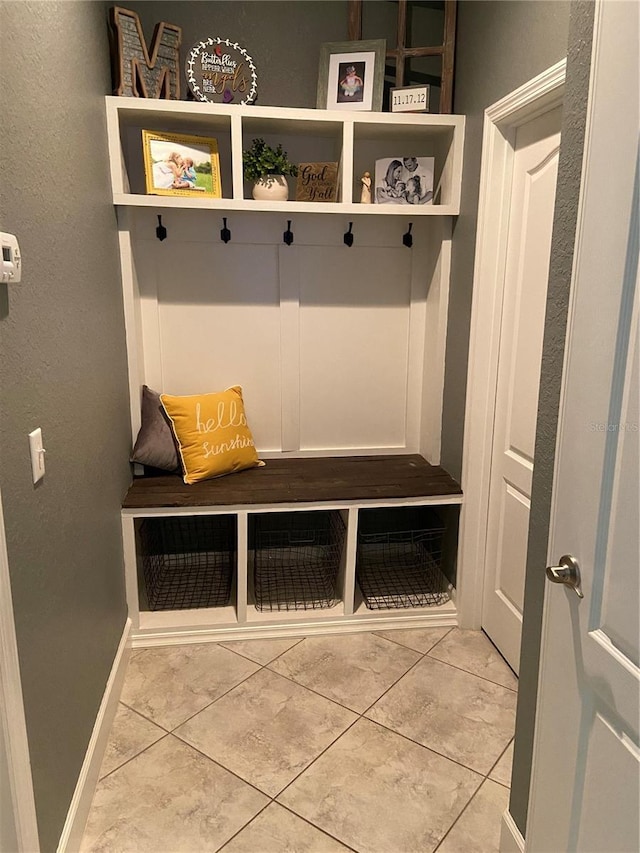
(267, 167)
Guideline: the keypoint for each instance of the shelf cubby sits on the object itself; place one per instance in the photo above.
(187, 562)
(352, 139)
(297, 558)
(399, 558)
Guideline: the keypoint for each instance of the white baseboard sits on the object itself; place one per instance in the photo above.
(511, 840)
(147, 637)
(82, 796)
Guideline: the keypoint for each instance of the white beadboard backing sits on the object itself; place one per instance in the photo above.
(337, 349)
(354, 329)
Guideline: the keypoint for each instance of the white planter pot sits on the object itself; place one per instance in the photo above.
(271, 188)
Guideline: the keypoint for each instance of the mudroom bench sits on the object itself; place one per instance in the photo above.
(301, 546)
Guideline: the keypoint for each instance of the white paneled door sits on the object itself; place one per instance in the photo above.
(585, 784)
(532, 197)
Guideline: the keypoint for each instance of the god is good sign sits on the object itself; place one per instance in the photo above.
(220, 71)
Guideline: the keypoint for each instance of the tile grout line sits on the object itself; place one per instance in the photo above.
(398, 680)
(475, 674)
(346, 707)
(471, 799)
(221, 766)
(486, 636)
(398, 643)
(306, 820)
(133, 757)
(221, 696)
(437, 643)
(144, 717)
(428, 748)
(498, 760)
(311, 690)
(171, 730)
(259, 663)
(265, 667)
(243, 827)
(174, 729)
(319, 755)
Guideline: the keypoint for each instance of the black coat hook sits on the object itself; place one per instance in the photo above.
(288, 234)
(225, 234)
(407, 239)
(161, 231)
(348, 236)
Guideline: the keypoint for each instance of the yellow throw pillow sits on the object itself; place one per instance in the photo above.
(212, 433)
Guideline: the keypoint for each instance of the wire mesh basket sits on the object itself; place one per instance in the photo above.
(399, 558)
(188, 561)
(296, 559)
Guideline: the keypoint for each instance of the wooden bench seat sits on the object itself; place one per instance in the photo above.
(295, 480)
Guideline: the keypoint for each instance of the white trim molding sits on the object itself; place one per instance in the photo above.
(78, 813)
(13, 727)
(538, 95)
(543, 93)
(511, 840)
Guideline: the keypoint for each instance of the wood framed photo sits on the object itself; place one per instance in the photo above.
(181, 165)
(404, 180)
(351, 75)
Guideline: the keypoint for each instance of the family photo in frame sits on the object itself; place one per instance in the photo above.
(181, 165)
(351, 75)
(404, 180)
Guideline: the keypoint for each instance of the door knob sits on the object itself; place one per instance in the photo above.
(568, 573)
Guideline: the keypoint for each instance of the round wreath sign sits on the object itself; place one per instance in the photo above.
(220, 71)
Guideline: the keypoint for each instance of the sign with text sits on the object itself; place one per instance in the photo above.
(410, 99)
(317, 182)
(220, 71)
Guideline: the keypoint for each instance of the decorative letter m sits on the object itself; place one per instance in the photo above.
(135, 73)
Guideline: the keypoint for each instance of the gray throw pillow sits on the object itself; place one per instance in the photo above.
(155, 445)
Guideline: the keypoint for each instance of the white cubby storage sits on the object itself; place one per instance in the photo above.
(340, 351)
(240, 616)
(354, 140)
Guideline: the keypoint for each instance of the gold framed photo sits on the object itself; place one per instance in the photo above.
(181, 165)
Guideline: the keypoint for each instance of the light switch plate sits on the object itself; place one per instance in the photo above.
(37, 454)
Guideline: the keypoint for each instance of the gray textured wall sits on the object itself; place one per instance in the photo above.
(62, 367)
(500, 45)
(282, 37)
(565, 217)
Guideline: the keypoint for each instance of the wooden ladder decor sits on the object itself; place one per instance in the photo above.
(401, 52)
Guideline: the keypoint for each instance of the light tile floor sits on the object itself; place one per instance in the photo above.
(387, 742)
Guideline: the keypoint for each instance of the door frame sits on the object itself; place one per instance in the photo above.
(502, 119)
(13, 728)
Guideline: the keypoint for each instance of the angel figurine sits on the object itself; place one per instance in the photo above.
(365, 195)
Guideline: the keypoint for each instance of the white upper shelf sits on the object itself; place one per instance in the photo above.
(352, 138)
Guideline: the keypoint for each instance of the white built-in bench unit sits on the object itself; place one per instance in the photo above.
(340, 353)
